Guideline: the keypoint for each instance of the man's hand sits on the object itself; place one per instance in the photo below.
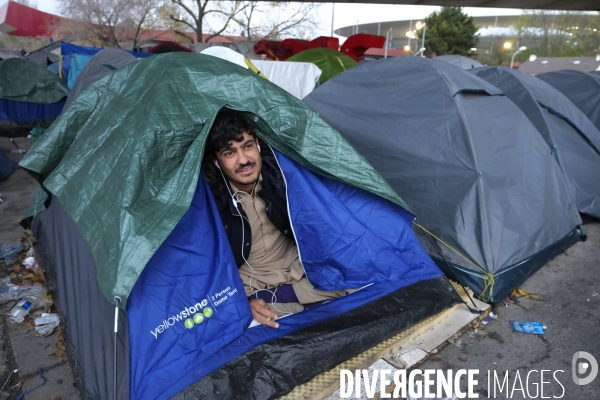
(263, 314)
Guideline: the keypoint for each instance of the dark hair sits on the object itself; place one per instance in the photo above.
(228, 126)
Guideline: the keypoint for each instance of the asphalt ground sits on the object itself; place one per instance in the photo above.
(568, 305)
(21, 346)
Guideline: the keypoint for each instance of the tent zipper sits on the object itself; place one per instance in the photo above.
(287, 202)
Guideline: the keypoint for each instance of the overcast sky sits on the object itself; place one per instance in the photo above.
(349, 13)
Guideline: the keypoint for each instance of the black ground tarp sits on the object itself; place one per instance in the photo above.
(265, 373)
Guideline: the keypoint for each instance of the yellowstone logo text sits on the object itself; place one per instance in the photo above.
(190, 316)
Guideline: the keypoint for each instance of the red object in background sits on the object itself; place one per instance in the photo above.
(324, 42)
(168, 47)
(289, 47)
(19, 20)
(381, 52)
(356, 45)
(267, 47)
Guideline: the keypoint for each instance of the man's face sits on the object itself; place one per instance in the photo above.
(240, 161)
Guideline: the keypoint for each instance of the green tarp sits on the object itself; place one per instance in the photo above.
(124, 158)
(23, 80)
(331, 62)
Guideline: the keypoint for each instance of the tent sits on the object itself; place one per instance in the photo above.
(297, 78)
(130, 223)
(570, 135)
(30, 97)
(330, 62)
(168, 47)
(99, 66)
(466, 160)
(232, 56)
(43, 58)
(460, 61)
(582, 88)
(78, 63)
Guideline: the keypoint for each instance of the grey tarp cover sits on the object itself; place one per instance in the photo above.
(467, 161)
(98, 67)
(582, 88)
(570, 135)
(43, 58)
(126, 174)
(460, 61)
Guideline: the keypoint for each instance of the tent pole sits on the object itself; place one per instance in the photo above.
(332, 15)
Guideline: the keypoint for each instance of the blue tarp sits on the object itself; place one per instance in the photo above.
(53, 68)
(78, 61)
(188, 313)
(68, 50)
(20, 111)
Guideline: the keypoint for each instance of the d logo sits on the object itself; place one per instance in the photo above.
(581, 368)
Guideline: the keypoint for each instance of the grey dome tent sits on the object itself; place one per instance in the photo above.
(582, 88)
(460, 61)
(465, 159)
(98, 67)
(570, 135)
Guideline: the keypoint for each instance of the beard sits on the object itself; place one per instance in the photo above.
(249, 181)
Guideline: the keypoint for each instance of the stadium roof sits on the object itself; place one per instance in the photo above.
(583, 5)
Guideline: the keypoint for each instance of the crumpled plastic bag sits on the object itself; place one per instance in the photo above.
(30, 263)
(45, 324)
(9, 251)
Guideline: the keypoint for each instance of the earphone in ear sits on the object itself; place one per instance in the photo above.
(258, 147)
(217, 164)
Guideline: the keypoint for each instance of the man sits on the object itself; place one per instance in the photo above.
(250, 193)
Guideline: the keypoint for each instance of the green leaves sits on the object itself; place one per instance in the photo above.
(449, 31)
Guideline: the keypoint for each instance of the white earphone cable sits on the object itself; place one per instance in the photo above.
(237, 199)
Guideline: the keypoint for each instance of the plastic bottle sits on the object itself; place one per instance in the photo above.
(13, 292)
(19, 312)
(28, 295)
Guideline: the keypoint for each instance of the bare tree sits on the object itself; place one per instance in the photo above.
(277, 19)
(106, 23)
(166, 11)
(560, 33)
(194, 14)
